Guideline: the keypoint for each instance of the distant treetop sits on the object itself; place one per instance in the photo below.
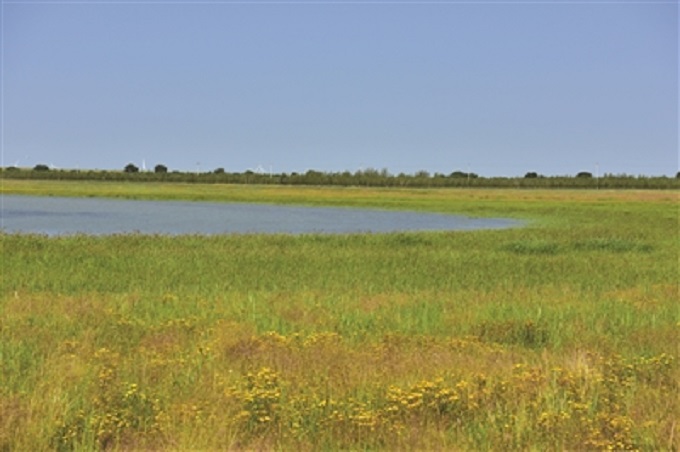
(131, 168)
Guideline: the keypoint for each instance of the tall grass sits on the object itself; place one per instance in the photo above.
(559, 335)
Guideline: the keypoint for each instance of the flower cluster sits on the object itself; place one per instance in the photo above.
(259, 395)
(118, 410)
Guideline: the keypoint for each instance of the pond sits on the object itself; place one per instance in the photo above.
(59, 216)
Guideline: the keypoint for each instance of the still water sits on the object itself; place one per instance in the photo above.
(58, 216)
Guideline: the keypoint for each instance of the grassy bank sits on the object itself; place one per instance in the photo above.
(559, 335)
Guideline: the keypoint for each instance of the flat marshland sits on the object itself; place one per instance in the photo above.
(562, 334)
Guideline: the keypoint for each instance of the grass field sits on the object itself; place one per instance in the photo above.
(559, 335)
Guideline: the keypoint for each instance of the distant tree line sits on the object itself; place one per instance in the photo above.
(367, 177)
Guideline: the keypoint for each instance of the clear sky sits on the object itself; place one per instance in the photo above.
(498, 88)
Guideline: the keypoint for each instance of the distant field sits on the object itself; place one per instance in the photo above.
(559, 335)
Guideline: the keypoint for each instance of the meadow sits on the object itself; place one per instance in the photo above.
(562, 334)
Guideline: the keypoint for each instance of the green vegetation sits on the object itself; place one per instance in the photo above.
(559, 335)
(361, 178)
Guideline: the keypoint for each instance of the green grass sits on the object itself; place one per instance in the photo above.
(562, 334)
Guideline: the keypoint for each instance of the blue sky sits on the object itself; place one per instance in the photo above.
(497, 88)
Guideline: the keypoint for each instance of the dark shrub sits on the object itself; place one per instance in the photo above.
(131, 168)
